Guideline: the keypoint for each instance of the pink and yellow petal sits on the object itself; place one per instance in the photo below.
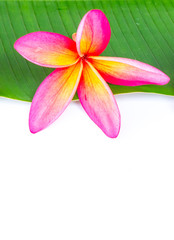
(93, 33)
(128, 72)
(98, 101)
(47, 49)
(53, 96)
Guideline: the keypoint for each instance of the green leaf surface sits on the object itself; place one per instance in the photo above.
(142, 30)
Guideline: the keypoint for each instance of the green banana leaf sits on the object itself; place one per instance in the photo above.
(141, 29)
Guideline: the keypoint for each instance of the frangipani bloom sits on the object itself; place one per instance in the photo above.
(79, 67)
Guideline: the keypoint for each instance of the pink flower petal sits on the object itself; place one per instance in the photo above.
(93, 33)
(128, 72)
(47, 49)
(53, 96)
(98, 101)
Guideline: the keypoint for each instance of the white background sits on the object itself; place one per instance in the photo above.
(71, 182)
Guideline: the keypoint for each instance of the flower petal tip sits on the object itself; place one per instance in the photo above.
(113, 134)
(161, 78)
(36, 125)
(33, 129)
(17, 45)
(166, 79)
(114, 131)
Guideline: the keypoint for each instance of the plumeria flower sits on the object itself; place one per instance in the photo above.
(79, 67)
